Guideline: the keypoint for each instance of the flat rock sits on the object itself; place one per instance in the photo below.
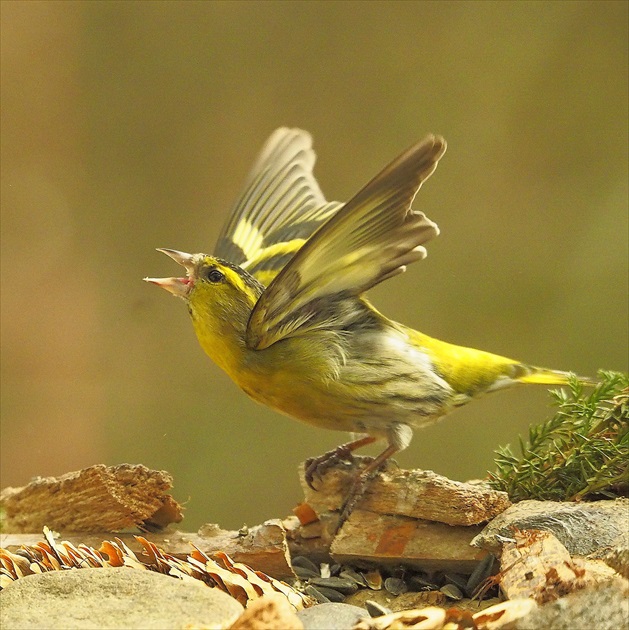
(585, 529)
(378, 539)
(420, 494)
(331, 616)
(113, 598)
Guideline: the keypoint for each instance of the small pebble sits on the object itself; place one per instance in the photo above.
(332, 594)
(481, 572)
(374, 580)
(316, 594)
(342, 585)
(452, 591)
(304, 573)
(350, 574)
(305, 563)
(457, 579)
(395, 586)
(375, 609)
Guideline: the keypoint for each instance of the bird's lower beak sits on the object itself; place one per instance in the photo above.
(177, 286)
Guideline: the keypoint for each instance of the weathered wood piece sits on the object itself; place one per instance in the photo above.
(380, 539)
(618, 559)
(585, 529)
(536, 565)
(98, 498)
(500, 616)
(263, 547)
(420, 494)
(269, 612)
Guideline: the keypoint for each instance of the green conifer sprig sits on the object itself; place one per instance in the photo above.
(581, 452)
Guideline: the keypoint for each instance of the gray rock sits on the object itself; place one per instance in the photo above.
(331, 616)
(112, 598)
(585, 529)
(601, 607)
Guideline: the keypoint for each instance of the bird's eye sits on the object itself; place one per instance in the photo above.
(215, 276)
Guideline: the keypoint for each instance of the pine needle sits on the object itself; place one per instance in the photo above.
(581, 452)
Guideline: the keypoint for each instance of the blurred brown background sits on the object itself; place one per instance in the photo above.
(128, 126)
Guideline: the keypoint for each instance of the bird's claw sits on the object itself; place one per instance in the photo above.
(317, 466)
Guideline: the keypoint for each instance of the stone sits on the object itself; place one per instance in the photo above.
(601, 607)
(381, 540)
(113, 598)
(585, 529)
(331, 616)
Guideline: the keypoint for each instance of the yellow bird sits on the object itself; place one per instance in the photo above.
(281, 306)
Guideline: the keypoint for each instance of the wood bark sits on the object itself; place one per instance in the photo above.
(98, 498)
(420, 494)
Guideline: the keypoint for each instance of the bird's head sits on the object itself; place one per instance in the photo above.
(220, 295)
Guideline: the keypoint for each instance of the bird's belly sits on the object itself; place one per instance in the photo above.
(373, 389)
(307, 401)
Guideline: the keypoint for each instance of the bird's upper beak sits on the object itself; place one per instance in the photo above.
(177, 286)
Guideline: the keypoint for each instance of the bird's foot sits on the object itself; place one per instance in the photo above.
(317, 466)
(359, 485)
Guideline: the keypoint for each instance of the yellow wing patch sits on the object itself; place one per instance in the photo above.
(268, 262)
(248, 237)
(280, 207)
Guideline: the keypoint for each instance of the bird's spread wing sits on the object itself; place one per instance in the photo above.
(279, 209)
(370, 239)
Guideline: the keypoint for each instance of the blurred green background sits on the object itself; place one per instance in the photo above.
(128, 126)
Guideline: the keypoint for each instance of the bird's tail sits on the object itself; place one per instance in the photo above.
(543, 376)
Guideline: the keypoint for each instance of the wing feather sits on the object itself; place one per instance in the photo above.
(371, 238)
(281, 204)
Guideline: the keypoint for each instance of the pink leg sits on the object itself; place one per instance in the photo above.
(360, 482)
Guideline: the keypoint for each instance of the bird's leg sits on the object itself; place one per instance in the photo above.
(359, 484)
(316, 466)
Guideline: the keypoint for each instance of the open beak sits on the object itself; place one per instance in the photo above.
(177, 286)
